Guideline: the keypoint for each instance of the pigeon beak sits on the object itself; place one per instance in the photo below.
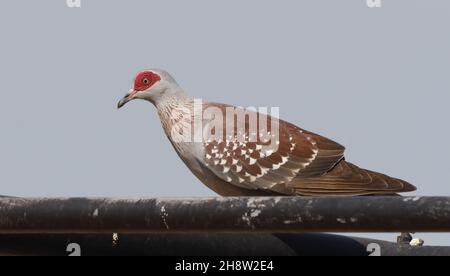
(128, 97)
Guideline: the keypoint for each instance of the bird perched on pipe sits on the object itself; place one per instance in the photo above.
(253, 154)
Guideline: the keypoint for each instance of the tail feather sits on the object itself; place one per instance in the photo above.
(348, 179)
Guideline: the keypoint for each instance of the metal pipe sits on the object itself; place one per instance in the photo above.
(209, 245)
(225, 215)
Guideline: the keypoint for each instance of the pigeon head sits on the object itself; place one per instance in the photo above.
(154, 85)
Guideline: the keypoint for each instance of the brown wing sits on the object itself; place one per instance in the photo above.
(256, 164)
(302, 163)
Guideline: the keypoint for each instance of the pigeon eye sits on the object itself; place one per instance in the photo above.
(145, 81)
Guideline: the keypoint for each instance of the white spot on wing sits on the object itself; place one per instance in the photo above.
(264, 170)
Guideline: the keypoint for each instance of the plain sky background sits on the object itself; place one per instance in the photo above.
(375, 80)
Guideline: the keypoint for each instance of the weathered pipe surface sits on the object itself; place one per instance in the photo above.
(225, 215)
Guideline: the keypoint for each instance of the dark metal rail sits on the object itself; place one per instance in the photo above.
(224, 215)
(210, 245)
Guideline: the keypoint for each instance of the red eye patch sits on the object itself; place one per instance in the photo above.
(145, 80)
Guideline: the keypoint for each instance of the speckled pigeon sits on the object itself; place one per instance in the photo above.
(238, 162)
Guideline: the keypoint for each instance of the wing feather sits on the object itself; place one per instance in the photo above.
(303, 163)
